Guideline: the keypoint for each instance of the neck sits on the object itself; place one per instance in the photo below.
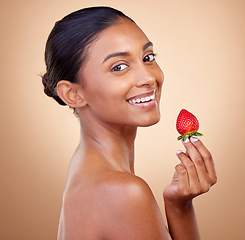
(115, 144)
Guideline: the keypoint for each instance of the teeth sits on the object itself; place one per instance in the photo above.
(145, 99)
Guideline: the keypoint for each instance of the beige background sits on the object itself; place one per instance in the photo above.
(200, 46)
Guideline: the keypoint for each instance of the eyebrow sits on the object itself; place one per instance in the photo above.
(116, 54)
(149, 44)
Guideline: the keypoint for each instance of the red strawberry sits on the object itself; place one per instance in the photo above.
(187, 125)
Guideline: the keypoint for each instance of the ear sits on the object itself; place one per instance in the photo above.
(71, 94)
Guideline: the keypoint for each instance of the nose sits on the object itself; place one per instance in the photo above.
(145, 76)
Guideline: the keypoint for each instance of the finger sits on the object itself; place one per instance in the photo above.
(182, 176)
(207, 158)
(190, 168)
(197, 160)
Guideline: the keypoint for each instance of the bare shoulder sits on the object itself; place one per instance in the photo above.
(125, 187)
(130, 207)
(116, 205)
(127, 192)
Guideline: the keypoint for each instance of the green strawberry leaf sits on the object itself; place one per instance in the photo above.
(188, 135)
(180, 137)
(198, 134)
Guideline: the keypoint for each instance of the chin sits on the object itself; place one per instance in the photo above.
(150, 122)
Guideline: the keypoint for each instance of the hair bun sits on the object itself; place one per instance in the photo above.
(49, 90)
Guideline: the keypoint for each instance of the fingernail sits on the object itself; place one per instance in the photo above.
(186, 140)
(194, 139)
(178, 152)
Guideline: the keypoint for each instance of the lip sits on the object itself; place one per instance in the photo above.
(148, 102)
(143, 95)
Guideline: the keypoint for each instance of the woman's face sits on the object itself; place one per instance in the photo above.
(121, 80)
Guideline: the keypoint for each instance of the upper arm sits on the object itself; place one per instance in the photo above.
(130, 211)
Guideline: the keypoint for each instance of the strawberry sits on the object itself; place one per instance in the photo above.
(187, 125)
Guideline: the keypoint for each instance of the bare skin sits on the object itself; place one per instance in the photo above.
(104, 199)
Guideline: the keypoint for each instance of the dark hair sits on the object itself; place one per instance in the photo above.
(68, 41)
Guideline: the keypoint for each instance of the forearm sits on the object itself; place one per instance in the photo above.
(182, 222)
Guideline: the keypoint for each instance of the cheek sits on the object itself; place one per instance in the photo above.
(160, 78)
(160, 75)
(104, 96)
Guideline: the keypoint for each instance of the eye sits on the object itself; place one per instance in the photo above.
(149, 57)
(119, 67)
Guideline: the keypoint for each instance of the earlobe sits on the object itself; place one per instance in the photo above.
(70, 94)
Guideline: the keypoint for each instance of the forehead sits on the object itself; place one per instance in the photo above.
(124, 36)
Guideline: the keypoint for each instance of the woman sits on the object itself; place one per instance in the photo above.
(101, 64)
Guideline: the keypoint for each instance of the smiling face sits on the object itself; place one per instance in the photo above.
(121, 80)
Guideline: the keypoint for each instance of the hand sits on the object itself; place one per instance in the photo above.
(194, 176)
